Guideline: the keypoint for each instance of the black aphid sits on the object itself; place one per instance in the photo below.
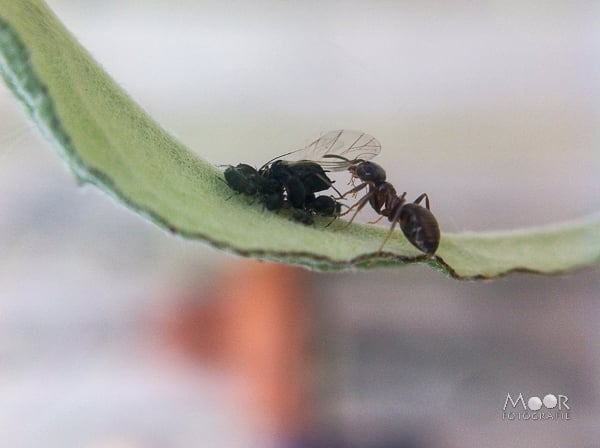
(282, 183)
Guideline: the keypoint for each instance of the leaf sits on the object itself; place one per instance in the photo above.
(109, 141)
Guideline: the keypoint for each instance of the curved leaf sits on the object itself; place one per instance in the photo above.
(108, 141)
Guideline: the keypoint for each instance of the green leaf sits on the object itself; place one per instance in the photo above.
(108, 141)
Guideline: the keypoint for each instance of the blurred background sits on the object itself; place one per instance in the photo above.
(114, 334)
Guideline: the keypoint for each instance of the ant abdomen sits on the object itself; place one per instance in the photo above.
(420, 227)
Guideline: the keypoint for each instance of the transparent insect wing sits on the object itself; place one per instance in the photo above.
(350, 145)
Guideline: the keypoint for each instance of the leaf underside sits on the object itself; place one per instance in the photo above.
(109, 141)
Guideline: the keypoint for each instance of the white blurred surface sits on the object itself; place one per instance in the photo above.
(491, 108)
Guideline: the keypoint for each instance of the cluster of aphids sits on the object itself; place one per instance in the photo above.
(293, 184)
(283, 184)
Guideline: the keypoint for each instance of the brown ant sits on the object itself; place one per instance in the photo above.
(417, 223)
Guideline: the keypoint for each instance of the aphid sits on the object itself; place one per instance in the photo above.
(247, 180)
(305, 174)
(324, 206)
(302, 216)
(417, 223)
(293, 183)
(242, 178)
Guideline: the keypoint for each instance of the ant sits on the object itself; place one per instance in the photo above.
(417, 223)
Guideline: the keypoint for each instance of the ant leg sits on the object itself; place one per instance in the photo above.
(377, 220)
(359, 205)
(420, 198)
(354, 190)
(394, 220)
(351, 181)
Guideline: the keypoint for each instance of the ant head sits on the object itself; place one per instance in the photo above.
(368, 172)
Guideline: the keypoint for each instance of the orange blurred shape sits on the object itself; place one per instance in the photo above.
(255, 324)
